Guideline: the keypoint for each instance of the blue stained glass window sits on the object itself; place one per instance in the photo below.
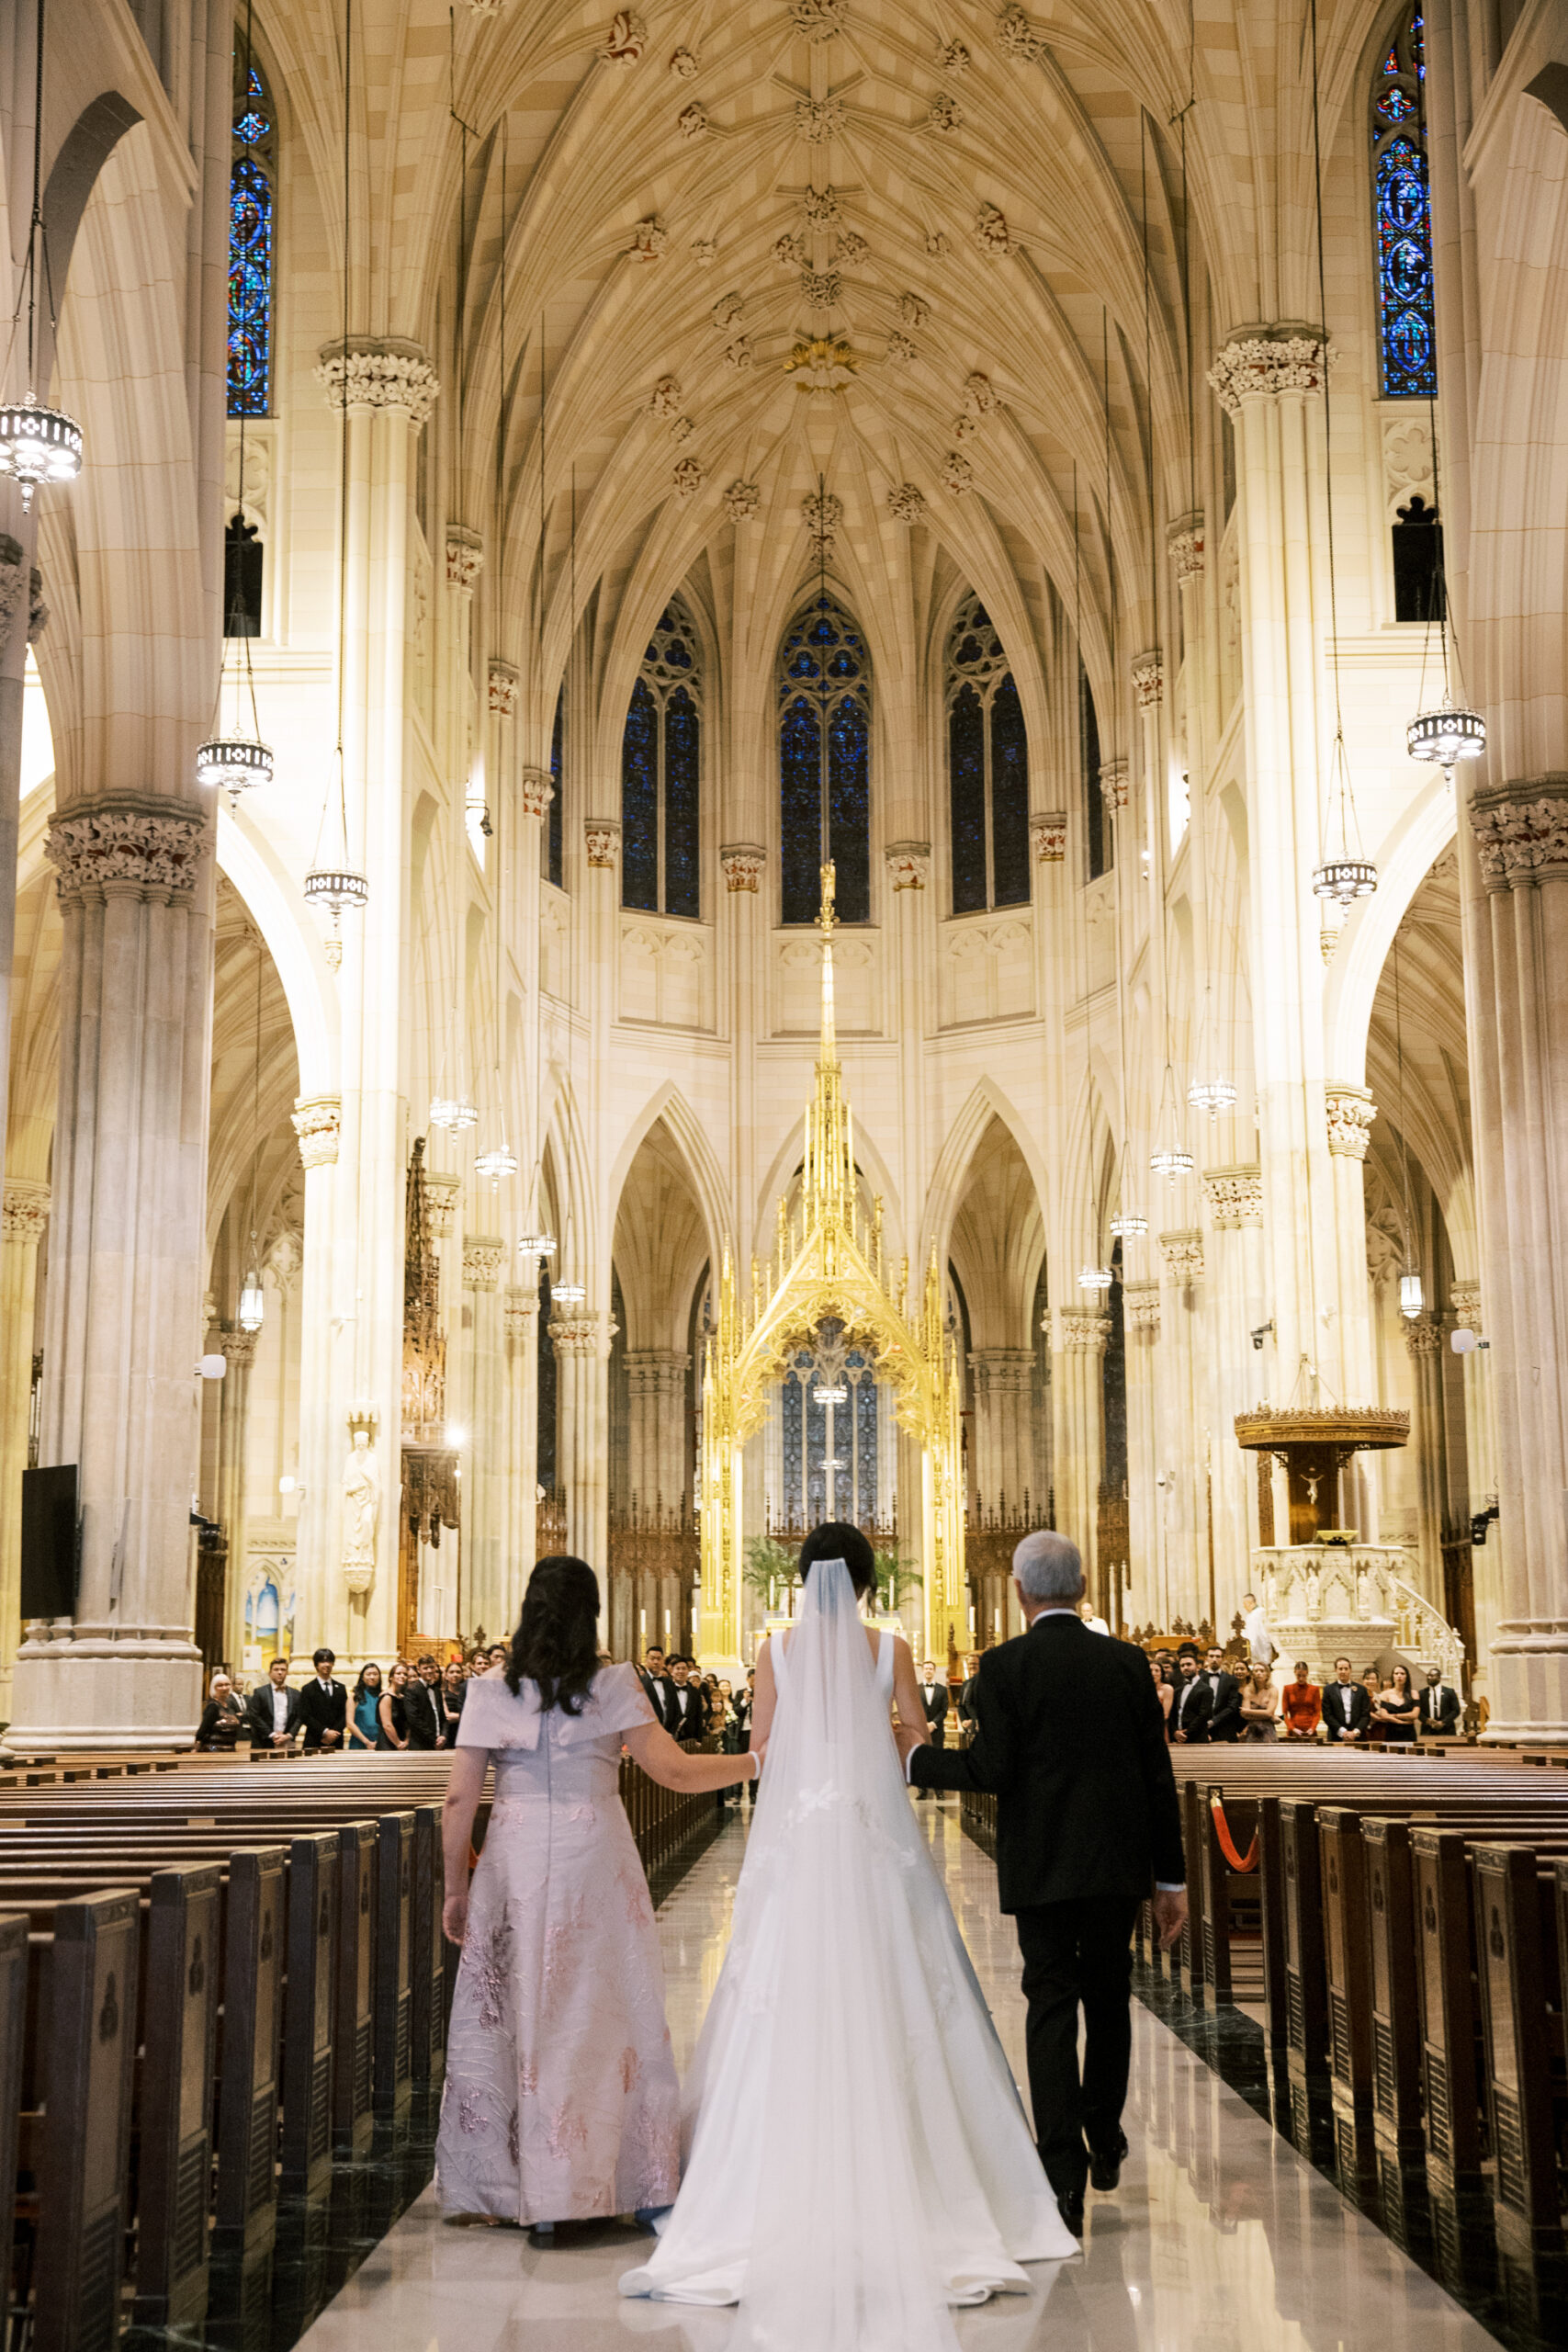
(864, 1394)
(1402, 219)
(824, 675)
(1098, 831)
(553, 835)
(252, 245)
(988, 749)
(661, 774)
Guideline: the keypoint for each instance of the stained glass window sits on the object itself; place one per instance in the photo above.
(988, 765)
(1095, 826)
(1403, 217)
(661, 774)
(824, 675)
(819, 1484)
(552, 842)
(252, 242)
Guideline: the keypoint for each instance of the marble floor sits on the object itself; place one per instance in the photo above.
(1221, 2236)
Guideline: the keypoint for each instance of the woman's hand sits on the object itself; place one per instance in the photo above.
(454, 1918)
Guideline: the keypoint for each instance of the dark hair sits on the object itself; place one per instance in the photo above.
(557, 1641)
(836, 1539)
(369, 1667)
(317, 1655)
(1399, 1667)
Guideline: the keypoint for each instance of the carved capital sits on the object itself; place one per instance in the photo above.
(26, 1211)
(440, 1204)
(1048, 832)
(503, 690)
(582, 1335)
(1422, 1337)
(378, 372)
(1078, 1331)
(1183, 1255)
(1268, 362)
(1235, 1196)
(1148, 679)
(1001, 1371)
(536, 790)
(317, 1122)
(1349, 1111)
(237, 1347)
(1464, 1298)
(1114, 785)
(742, 863)
(908, 864)
(465, 556)
(519, 1312)
(1140, 1306)
(13, 583)
(1521, 832)
(601, 840)
(150, 845)
(1184, 544)
(483, 1258)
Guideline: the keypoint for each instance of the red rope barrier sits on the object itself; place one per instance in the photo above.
(1242, 1863)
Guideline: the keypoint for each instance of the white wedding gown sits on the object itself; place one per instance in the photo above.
(856, 2153)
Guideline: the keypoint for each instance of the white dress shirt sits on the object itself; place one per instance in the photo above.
(280, 1707)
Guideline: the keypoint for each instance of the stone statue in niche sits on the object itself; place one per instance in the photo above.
(361, 1512)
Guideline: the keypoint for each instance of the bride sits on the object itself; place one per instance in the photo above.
(857, 2156)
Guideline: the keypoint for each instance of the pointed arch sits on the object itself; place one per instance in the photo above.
(691, 1137)
(823, 680)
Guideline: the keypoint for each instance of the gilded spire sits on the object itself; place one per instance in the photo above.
(828, 1180)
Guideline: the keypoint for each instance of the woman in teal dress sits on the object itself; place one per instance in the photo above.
(365, 1727)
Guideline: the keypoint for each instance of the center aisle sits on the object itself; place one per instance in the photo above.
(1272, 2255)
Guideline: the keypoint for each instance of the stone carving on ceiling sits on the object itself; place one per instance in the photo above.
(685, 64)
(821, 207)
(682, 429)
(979, 394)
(900, 350)
(991, 233)
(818, 119)
(912, 310)
(937, 244)
(727, 311)
(688, 477)
(665, 398)
(703, 250)
(850, 246)
(821, 288)
(824, 513)
(952, 57)
(957, 473)
(817, 19)
(905, 501)
(963, 427)
(739, 354)
(1017, 35)
(741, 501)
(649, 239)
(692, 122)
(946, 114)
(626, 39)
(789, 251)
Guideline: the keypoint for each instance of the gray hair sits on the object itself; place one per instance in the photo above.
(1048, 1567)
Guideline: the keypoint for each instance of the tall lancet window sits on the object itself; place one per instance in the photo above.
(988, 768)
(1402, 217)
(823, 690)
(550, 848)
(253, 224)
(660, 767)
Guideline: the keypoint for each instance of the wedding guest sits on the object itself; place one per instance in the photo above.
(1347, 1709)
(1301, 1704)
(686, 1723)
(1163, 1692)
(934, 1698)
(1259, 1704)
(1225, 1697)
(1440, 1712)
(1092, 1617)
(365, 1715)
(1395, 1714)
(323, 1708)
(390, 1716)
(967, 1690)
(1260, 1648)
(449, 1701)
(1194, 1703)
(221, 1718)
(1372, 1684)
(273, 1707)
(497, 1654)
(656, 1682)
(561, 2102)
(420, 1711)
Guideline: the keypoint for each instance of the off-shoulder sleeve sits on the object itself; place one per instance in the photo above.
(491, 1716)
(620, 1702)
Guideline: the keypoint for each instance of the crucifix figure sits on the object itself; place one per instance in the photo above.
(827, 920)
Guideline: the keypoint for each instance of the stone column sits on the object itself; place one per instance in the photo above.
(1233, 1287)
(238, 1349)
(657, 1467)
(1148, 1601)
(19, 598)
(909, 871)
(323, 1442)
(1077, 1446)
(1349, 1114)
(26, 1222)
(1003, 1440)
(1184, 1532)
(1481, 1473)
(520, 1323)
(1423, 1340)
(483, 1583)
(743, 865)
(126, 1244)
(582, 1342)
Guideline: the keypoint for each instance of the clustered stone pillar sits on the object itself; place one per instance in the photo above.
(126, 1265)
(1147, 1600)
(318, 1123)
(238, 1349)
(1003, 1389)
(656, 1468)
(1232, 1258)
(484, 1599)
(1181, 1500)
(26, 1221)
(581, 1343)
(1077, 1432)
(520, 1323)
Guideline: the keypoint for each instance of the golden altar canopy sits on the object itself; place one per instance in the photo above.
(827, 1262)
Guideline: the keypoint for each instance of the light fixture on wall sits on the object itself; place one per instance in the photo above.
(1411, 1297)
(1446, 733)
(333, 885)
(1170, 1157)
(38, 444)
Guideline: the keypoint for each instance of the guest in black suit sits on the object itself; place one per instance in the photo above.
(323, 1708)
(1224, 1713)
(422, 1713)
(935, 1700)
(966, 1691)
(273, 1707)
(1193, 1702)
(658, 1684)
(1347, 1710)
(1071, 1738)
(1439, 1712)
(687, 1723)
(449, 1701)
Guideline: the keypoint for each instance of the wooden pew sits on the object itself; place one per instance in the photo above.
(174, 2145)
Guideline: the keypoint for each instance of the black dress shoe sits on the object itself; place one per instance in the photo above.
(1069, 2204)
(1105, 2164)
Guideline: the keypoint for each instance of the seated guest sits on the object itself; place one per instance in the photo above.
(1163, 1692)
(1259, 1704)
(1193, 1704)
(1347, 1709)
(221, 1718)
(364, 1714)
(273, 1707)
(323, 1708)
(1224, 1713)
(449, 1701)
(1438, 1710)
(391, 1720)
(1394, 1714)
(1302, 1705)
(423, 1722)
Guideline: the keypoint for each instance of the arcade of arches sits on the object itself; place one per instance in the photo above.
(633, 459)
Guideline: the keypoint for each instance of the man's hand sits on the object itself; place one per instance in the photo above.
(1170, 1915)
(910, 1736)
(331, 1739)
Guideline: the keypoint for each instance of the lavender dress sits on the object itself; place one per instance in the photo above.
(561, 2102)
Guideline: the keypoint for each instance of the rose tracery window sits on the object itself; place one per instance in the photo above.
(661, 774)
(988, 765)
(824, 700)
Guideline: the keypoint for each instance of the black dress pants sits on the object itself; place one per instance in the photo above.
(1078, 1955)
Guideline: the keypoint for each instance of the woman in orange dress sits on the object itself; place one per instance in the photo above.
(1301, 1705)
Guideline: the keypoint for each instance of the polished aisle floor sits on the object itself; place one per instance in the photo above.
(1221, 2238)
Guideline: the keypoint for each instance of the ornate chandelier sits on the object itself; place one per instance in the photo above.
(1127, 1224)
(38, 444)
(1095, 1278)
(1446, 735)
(499, 1161)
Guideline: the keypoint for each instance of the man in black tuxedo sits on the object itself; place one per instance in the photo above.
(420, 1714)
(323, 1708)
(272, 1709)
(1438, 1710)
(688, 1715)
(1347, 1710)
(968, 1689)
(1071, 1738)
(934, 1700)
(654, 1676)
(1224, 1695)
(1193, 1704)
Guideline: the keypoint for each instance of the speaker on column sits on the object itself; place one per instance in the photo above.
(49, 1545)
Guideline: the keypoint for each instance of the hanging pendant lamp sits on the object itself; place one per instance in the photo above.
(38, 444)
(1170, 1157)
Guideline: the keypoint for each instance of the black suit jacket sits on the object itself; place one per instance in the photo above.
(1334, 1715)
(689, 1729)
(259, 1711)
(421, 1720)
(1071, 1738)
(1193, 1719)
(659, 1689)
(936, 1702)
(1225, 1714)
(1445, 1716)
(323, 1710)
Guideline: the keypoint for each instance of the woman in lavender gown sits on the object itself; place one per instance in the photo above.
(561, 2102)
